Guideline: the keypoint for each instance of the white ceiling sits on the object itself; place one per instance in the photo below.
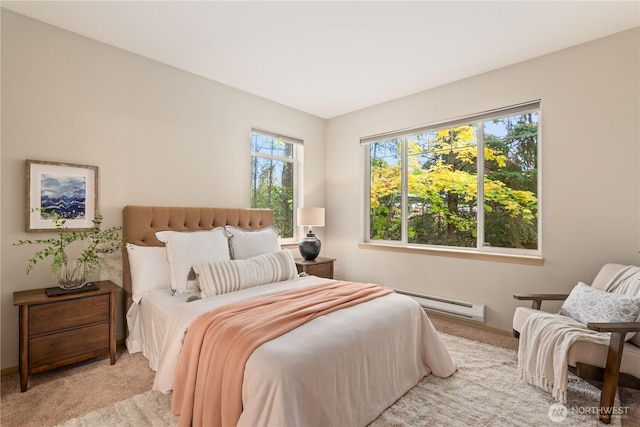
(332, 57)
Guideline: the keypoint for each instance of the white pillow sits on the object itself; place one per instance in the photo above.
(186, 248)
(149, 269)
(220, 277)
(245, 244)
(589, 305)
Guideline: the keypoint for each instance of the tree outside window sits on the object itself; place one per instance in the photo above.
(273, 178)
(468, 184)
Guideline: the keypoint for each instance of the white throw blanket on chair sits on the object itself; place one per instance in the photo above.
(543, 351)
(626, 282)
(546, 338)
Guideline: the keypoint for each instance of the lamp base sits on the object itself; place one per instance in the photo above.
(310, 247)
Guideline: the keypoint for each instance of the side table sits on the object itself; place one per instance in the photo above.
(61, 330)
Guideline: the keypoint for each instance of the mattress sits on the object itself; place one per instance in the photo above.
(146, 321)
(343, 368)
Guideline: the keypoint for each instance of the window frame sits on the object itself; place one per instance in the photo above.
(480, 251)
(296, 160)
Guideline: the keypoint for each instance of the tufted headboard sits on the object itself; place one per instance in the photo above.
(140, 223)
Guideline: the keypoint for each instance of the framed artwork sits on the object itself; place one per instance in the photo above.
(65, 189)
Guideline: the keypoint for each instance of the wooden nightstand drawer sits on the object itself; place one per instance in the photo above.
(68, 314)
(321, 267)
(58, 347)
(320, 270)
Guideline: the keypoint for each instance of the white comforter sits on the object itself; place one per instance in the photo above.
(343, 368)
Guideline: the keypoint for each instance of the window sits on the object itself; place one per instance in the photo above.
(470, 183)
(273, 177)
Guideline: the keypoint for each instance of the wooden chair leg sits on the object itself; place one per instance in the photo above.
(611, 373)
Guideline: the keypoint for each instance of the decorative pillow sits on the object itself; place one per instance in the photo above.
(186, 248)
(629, 286)
(219, 277)
(245, 244)
(149, 269)
(588, 305)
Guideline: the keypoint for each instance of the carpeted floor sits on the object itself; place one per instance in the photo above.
(68, 392)
(485, 391)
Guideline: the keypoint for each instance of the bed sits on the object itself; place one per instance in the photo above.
(342, 368)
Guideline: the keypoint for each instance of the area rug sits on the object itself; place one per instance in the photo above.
(485, 391)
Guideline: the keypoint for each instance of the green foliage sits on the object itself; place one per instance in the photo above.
(442, 185)
(98, 243)
(272, 181)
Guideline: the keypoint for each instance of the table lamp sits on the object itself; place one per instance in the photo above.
(310, 245)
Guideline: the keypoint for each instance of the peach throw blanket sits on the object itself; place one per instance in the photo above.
(208, 380)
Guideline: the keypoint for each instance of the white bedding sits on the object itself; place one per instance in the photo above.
(343, 368)
(146, 322)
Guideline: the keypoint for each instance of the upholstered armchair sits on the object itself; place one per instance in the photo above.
(605, 366)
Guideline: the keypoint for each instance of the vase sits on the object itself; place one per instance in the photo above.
(310, 247)
(72, 275)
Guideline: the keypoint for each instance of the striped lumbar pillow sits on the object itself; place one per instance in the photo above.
(220, 277)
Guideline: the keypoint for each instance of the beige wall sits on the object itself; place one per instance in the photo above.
(159, 136)
(163, 136)
(590, 180)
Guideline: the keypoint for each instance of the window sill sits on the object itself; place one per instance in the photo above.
(289, 245)
(456, 253)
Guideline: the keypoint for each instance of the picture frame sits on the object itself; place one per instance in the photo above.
(67, 189)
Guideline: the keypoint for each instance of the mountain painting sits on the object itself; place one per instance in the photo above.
(65, 195)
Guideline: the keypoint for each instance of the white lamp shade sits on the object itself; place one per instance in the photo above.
(313, 217)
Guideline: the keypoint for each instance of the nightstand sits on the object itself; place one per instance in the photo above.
(321, 267)
(61, 330)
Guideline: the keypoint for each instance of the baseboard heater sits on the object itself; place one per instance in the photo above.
(448, 307)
